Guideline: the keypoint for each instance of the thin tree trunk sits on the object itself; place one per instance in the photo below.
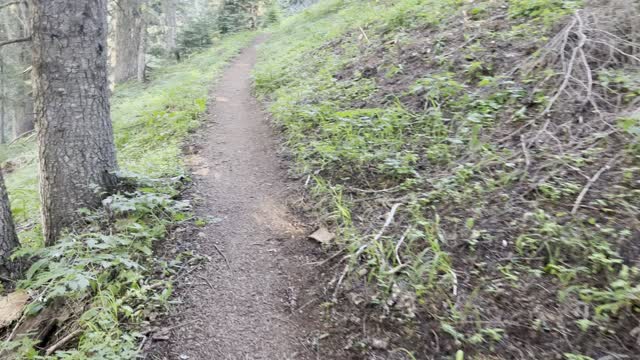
(142, 51)
(15, 22)
(128, 27)
(3, 96)
(171, 25)
(75, 137)
(8, 238)
(23, 121)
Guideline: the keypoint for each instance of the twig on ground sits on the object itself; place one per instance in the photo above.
(320, 263)
(373, 191)
(364, 34)
(307, 304)
(388, 222)
(406, 232)
(590, 183)
(223, 256)
(62, 342)
(144, 341)
(527, 159)
(205, 280)
(335, 291)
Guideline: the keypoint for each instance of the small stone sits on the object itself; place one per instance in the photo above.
(183, 357)
(380, 344)
(322, 235)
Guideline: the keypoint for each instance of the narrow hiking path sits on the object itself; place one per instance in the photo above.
(240, 308)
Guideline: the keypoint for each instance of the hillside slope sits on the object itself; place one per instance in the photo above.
(480, 164)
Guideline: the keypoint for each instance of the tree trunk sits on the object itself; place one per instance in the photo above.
(128, 27)
(171, 25)
(8, 238)
(23, 121)
(3, 101)
(75, 136)
(142, 51)
(15, 20)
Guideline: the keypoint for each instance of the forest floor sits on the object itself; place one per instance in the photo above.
(240, 303)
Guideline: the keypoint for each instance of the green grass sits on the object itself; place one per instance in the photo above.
(104, 269)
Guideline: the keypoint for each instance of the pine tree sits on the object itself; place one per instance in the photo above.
(75, 137)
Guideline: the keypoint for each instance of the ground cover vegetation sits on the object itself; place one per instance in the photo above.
(479, 161)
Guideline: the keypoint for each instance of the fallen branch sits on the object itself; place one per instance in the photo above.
(62, 342)
(388, 222)
(342, 276)
(364, 34)
(320, 263)
(374, 191)
(397, 249)
(590, 183)
(205, 280)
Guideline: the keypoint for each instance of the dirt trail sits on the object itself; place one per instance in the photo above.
(241, 310)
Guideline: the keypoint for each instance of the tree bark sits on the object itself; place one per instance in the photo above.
(75, 136)
(171, 25)
(8, 238)
(128, 28)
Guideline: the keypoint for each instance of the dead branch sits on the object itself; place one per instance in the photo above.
(397, 249)
(15, 41)
(223, 256)
(590, 183)
(342, 276)
(388, 222)
(62, 342)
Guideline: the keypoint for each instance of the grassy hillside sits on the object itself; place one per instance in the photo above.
(480, 163)
(100, 283)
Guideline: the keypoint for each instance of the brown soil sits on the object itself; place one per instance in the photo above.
(241, 307)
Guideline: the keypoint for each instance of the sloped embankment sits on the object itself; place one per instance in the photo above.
(480, 163)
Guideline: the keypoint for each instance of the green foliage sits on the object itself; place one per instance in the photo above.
(272, 15)
(237, 15)
(197, 34)
(547, 11)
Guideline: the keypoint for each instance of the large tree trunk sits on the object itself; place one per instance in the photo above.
(8, 238)
(75, 137)
(171, 25)
(128, 28)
